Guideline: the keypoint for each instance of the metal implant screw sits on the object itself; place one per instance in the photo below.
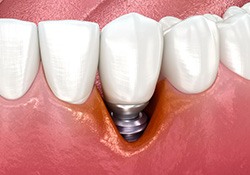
(129, 119)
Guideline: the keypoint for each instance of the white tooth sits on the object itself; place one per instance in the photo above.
(130, 59)
(168, 22)
(70, 51)
(231, 11)
(246, 7)
(190, 59)
(234, 44)
(213, 17)
(19, 57)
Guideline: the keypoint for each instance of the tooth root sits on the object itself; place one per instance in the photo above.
(130, 59)
(233, 10)
(19, 57)
(234, 44)
(168, 22)
(70, 51)
(190, 60)
(246, 7)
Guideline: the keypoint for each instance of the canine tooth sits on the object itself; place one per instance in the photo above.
(19, 57)
(168, 22)
(70, 51)
(231, 11)
(130, 59)
(246, 7)
(234, 44)
(190, 59)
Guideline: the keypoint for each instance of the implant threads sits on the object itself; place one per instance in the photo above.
(131, 128)
(129, 119)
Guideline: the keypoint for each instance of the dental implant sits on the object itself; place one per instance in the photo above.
(130, 62)
(129, 119)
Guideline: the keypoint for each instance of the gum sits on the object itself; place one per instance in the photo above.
(188, 134)
(204, 133)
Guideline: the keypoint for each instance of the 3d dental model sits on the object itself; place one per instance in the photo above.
(133, 50)
(130, 62)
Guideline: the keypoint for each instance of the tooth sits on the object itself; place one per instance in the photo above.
(19, 57)
(130, 62)
(168, 22)
(246, 7)
(216, 19)
(130, 59)
(234, 44)
(231, 11)
(70, 51)
(213, 17)
(190, 59)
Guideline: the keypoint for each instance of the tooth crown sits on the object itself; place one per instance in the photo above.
(131, 51)
(168, 21)
(246, 7)
(234, 44)
(70, 51)
(234, 10)
(19, 57)
(213, 17)
(190, 60)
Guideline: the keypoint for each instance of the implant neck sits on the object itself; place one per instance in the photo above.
(126, 111)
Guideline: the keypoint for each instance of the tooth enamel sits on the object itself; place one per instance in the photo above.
(168, 22)
(19, 57)
(70, 51)
(130, 59)
(234, 44)
(246, 7)
(190, 59)
(213, 17)
(231, 11)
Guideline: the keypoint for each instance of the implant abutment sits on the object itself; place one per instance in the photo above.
(129, 119)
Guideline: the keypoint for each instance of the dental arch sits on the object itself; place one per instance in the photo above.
(191, 67)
